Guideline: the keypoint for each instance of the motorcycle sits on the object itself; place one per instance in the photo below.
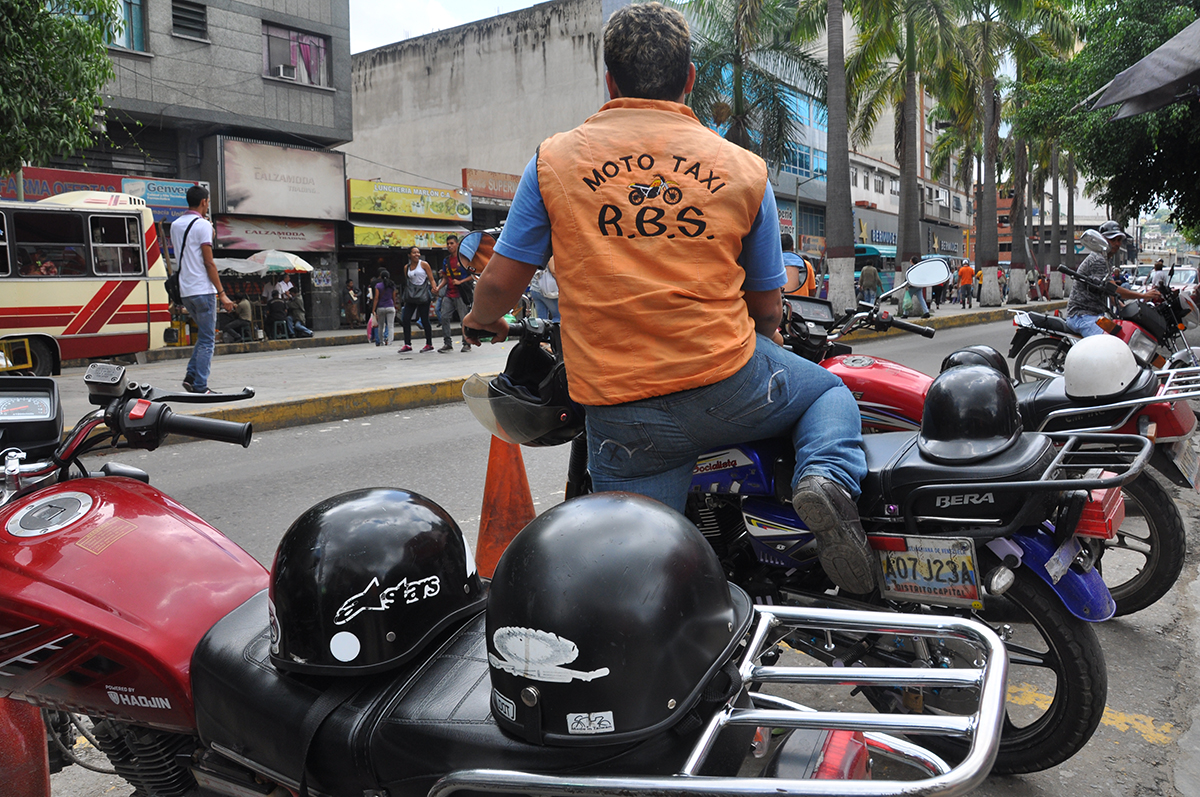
(1153, 331)
(1005, 540)
(119, 604)
(1142, 562)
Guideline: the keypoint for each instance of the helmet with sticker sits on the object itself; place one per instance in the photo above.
(362, 581)
(608, 617)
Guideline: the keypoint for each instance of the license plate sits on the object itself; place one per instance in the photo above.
(1183, 454)
(937, 570)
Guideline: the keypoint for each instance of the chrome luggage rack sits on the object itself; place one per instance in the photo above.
(982, 727)
(1178, 384)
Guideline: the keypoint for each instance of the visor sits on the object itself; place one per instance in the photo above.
(511, 419)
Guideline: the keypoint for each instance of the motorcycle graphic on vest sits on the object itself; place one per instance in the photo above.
(671, 193)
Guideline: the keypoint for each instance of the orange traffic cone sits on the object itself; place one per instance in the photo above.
(507, 504)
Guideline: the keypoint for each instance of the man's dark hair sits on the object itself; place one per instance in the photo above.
(451, 237)
(647, 50)
(786, 242)
(195, 195)
(915, 259)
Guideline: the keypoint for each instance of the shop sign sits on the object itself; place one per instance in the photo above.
(786, 215)
(813, 245)
(288, 182)
(496, 185)
(884, 237)
(167, 198)
(285, 235)
(390, 199)
(405, 239)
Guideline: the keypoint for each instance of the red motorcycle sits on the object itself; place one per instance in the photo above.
(120, 605)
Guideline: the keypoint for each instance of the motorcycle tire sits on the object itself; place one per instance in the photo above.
(1046, 353)
(1144, 560)
(1049, 649)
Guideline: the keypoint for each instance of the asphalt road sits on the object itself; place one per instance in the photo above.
(1144, 746)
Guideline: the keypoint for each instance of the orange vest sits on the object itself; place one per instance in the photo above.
(647, 211)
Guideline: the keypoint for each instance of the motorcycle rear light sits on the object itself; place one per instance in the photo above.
(1147, 427)
(844, 757)
(1103, 514)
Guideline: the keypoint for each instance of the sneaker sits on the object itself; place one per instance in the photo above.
(427, 347)
(925, 315)
(466, 347)
(827, 510)
(404, 348)
(188, 386)
(445, 348)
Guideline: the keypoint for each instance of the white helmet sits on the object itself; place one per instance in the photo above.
(1097, 366)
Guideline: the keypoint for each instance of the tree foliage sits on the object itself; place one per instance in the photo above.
(1132, 165)
(53, 65)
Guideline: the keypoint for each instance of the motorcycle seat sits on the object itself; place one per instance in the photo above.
(401, 730)
(896, 467)
(1052, 322)
(1036, 400)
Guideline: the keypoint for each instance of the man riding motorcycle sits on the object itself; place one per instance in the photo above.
(1086, 303)
(668, 312)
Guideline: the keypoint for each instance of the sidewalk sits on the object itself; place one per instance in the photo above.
(337, 374)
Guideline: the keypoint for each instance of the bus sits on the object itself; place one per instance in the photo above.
(82, 276)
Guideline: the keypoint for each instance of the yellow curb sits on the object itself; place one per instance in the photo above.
(961, 320)
(326, 407)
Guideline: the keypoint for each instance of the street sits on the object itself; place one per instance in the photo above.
(1144, 746)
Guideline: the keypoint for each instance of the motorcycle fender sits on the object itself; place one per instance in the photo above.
(1163, 460)
(1020, 338)
(1084, 594)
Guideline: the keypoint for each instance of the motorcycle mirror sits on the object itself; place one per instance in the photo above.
(928, 273)
(1093, 240)
(475, 249)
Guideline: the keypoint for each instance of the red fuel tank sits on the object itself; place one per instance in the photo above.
(106, 587)
(890, 396)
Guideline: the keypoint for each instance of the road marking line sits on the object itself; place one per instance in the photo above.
(1151, 730)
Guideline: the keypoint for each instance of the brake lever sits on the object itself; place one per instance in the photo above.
(154, 394)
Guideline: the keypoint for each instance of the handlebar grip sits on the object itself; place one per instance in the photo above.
(1065, 269)
(926, 332)
(208, 428)
(478, 334)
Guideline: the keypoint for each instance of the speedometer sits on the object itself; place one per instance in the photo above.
(24, 407)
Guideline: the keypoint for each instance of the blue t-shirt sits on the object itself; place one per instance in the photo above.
(526, 236)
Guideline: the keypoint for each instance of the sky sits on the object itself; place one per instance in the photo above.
(374, 23)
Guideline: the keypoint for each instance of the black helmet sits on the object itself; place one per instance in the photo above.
(609, 614)
(1110, 230)
(978, 354)
(970, 414)
(362, 581)
(528, 403)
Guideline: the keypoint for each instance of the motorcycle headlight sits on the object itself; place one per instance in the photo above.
(1143, 347)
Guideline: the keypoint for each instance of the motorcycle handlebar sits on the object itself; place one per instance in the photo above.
(208, 428)
(927, 332)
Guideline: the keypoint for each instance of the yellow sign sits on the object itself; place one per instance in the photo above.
(383, 236)
(389, 199)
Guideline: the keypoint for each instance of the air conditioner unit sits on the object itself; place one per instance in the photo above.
(285, 71)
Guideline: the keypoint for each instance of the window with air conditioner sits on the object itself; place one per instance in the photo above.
(189, 19)
(295, 56)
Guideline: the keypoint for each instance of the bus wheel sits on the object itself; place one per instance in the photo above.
(42, 356)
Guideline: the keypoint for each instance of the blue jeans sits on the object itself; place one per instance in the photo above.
(650, 446)
(1085, 325)
(203, 310)
(870, 296)
(546, 308)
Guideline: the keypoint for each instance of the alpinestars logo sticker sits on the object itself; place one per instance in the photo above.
(373, 599)
(538, 655)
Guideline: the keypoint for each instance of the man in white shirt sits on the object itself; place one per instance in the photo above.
(199, 284)
(1159, 277)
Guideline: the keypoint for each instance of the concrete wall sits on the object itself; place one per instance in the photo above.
(218, 85)
(481, 96)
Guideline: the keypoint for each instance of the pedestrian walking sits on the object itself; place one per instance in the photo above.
(966, 277)
(418, 294)
(453, 288)
(199, 285)
(384, 308)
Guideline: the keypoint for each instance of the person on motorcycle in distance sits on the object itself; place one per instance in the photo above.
(1086, 304)
(669, 312)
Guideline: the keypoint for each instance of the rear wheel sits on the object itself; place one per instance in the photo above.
(42, 356)
(1045, 353)
(1144, 560)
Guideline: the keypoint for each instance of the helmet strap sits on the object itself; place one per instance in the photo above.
(725, 683)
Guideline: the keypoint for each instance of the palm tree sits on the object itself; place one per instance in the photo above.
(1025, 29)
(903, 44)
(748, 67)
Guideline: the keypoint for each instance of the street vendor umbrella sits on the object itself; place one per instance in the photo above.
(275, 260)
(1159, 79)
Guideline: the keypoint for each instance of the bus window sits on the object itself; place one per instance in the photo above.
(117, 245)
(49, 244)
(4, 263)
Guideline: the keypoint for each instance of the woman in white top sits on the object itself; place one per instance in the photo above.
(418, 292)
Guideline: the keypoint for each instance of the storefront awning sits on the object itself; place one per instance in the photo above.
(405, 236)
